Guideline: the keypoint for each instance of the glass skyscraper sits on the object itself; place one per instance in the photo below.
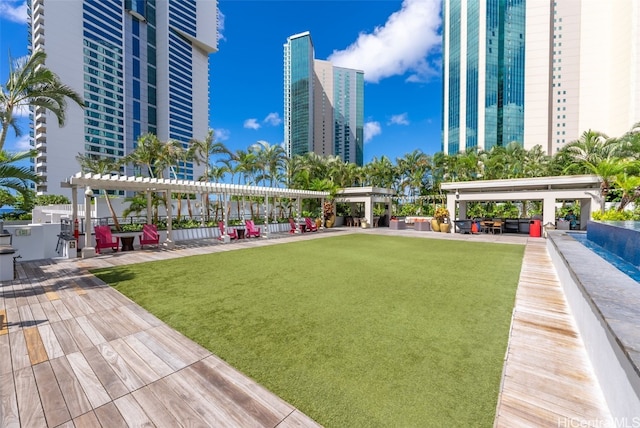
(323, 104)
(141, 66)
(483, 74)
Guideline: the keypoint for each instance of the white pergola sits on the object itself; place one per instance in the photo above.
(367, 195)
(585, 188)
(151, 185)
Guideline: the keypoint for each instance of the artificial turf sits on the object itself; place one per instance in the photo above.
(357, 330)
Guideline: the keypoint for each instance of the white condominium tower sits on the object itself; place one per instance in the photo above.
(538, 72)
(141, 67)
(323, 104)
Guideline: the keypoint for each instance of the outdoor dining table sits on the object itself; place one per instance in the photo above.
(487, 226)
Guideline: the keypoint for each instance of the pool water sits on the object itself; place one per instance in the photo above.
(618, 262)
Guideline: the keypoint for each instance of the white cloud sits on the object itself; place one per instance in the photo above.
(273, 119)
(221, 134)
(371, 129)
(402, 45)
(221, 18)
(13, 10)
(251, 123)
(399, 119)
(21, 144)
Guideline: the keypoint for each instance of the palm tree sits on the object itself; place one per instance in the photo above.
(101, 165)
(202, 150)
(630, 187)
(30, 83)
(14, 177)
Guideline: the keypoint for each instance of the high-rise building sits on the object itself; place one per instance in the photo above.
(583, 70)
(141, 67)
(323, 104)
(484, 45)
(538, 72)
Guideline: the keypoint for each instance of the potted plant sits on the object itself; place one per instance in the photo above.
(440, 220)
(329, 215)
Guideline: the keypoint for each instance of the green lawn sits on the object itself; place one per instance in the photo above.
(357, 330)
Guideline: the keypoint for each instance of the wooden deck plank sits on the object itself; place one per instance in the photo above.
(110, 380)
(35, 347)
(50, 341)
(5, 355)
(77, 333)
(179, 408)
(50, 312)
(126, 374)
(256, 391)
(132, 413)
(92, 333)
(55, 409)
(62, 310)
(172, 360)
(177, 347)
(88, 420)
(72, 392)
(65, 339)
(100, 325)
(109, 416)
(19, 353)
(161, 368)
(13, 319)
(157, 412)
(133, 360)
(9, 416)
(4, 325)
(234, 400)
(211, 410)
(96, 394)
(297, 419)
(29, 406)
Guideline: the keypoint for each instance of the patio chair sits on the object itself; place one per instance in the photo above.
(294, 226)
(233, 234)
(497, 226)
(149, 235)
(252, 229)
(311, 225)
(104, 239)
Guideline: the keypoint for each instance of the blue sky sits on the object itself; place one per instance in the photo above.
(396, 43)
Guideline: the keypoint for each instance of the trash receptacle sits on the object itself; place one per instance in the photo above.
(535, 228)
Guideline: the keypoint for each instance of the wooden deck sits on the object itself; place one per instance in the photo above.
(74, 352)
(547, 380)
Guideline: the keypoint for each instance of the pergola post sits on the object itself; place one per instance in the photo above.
(266, 216)
(169, 242)
(451, 206)
(225, 237)
(549, 210)
(149, 207)
(74, 206)
(88, 251)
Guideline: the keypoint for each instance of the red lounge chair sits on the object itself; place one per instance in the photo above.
(104, 239)
(231, 232)
(311, 225)
(294, 226)
(252, 229)
(149, 235)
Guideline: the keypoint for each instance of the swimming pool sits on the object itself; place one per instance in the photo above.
(618, 262)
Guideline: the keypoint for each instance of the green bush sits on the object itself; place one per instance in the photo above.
(613, 214)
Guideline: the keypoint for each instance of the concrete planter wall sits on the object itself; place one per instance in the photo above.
(422, 226)
(397, 225)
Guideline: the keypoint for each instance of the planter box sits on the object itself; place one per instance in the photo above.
(422, 226)
(397, 225)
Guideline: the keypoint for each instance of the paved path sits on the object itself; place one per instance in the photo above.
(75, 352)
